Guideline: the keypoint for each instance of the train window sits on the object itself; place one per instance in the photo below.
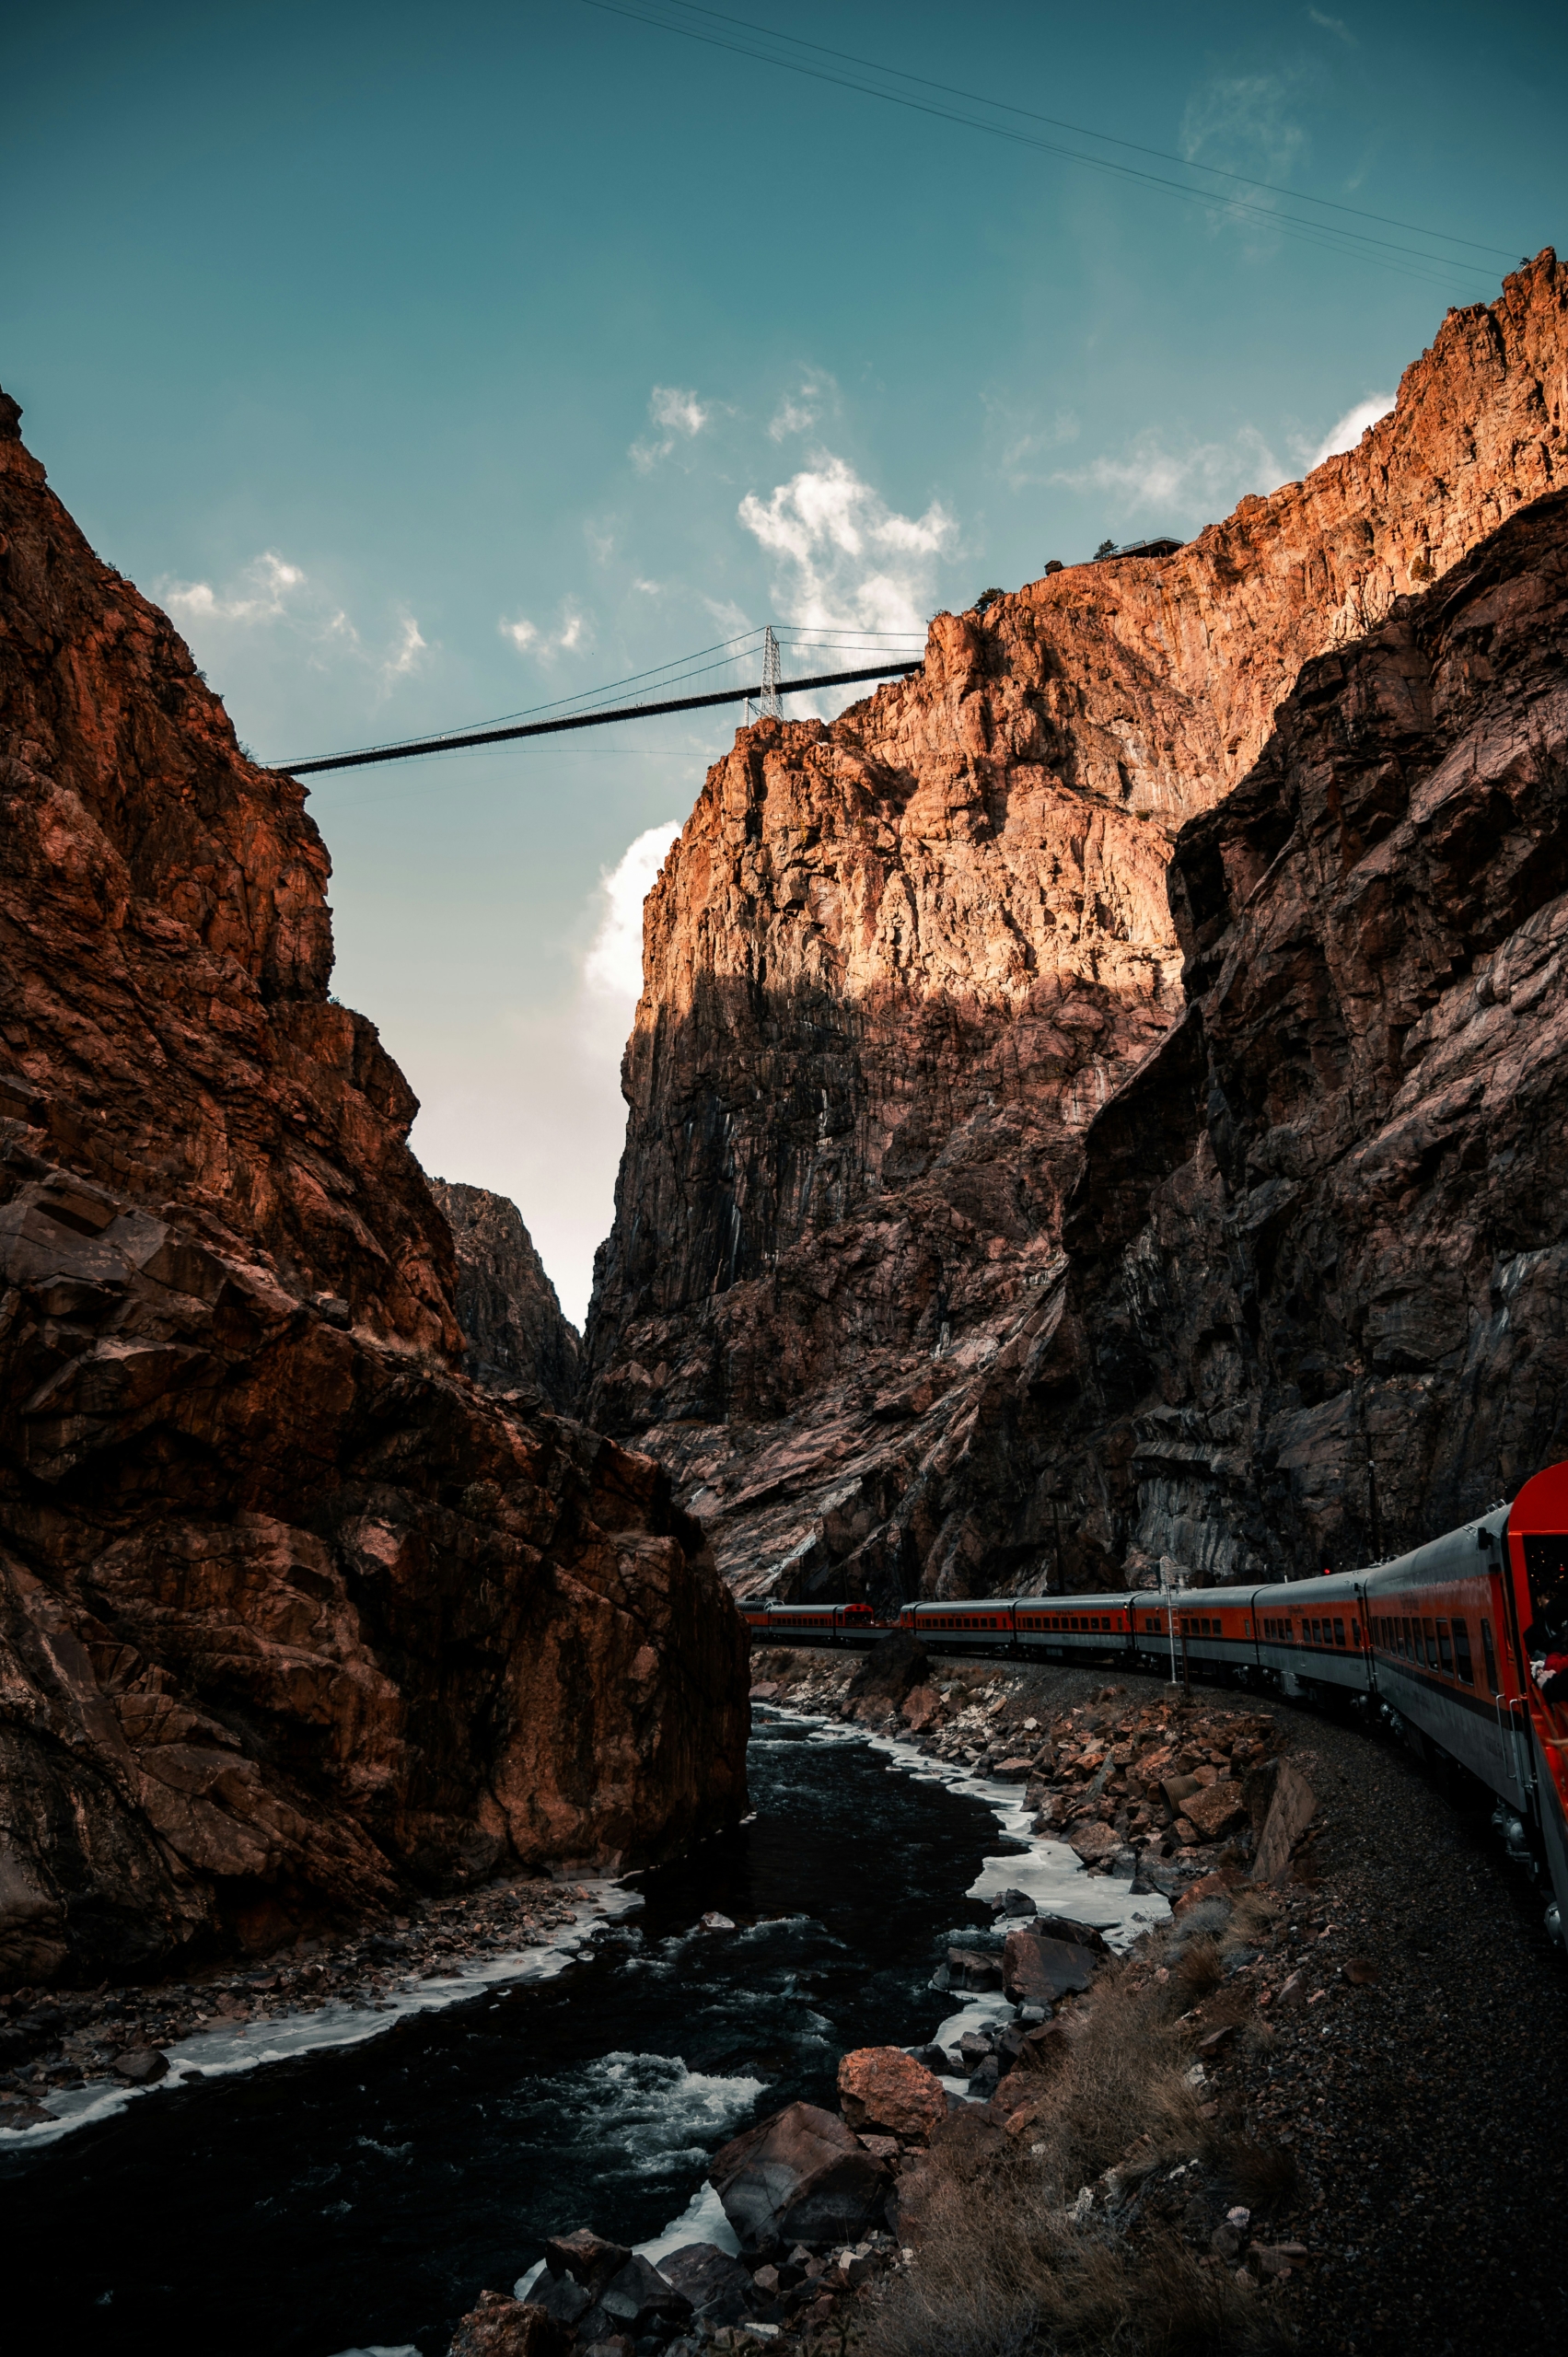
(1339, 1632)
(1488, 1655)
(1431, 1636)
(1404, 1644)
(1445, 1650)
(1355, 1635)
(1462, 1661)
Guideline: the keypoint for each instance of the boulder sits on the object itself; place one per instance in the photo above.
(713, 2281)
(1037, 1971)
(637, 2299)
(1216, 1810)
(1291, 1811)
(141, 2065)
(500, 2327)
(922, 1708)
(562, 2297)
(891, 1669)
(586, 2256)
(973, 1968)
(801, 2176)
(1094, 1841)
(882, 2088)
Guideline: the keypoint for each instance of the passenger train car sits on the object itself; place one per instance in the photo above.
(1462, 1643)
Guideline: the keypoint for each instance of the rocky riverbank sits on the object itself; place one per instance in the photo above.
(1261, 2127)
(59, 2049)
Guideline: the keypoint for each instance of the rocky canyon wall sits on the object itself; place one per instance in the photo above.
(513, 1330)
(1315, 1302)
(894, 967)
(291, 1611)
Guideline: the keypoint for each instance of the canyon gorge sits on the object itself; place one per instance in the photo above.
(1004, 1208)
(296, 1617)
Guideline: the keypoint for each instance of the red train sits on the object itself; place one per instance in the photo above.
(1463, 1643)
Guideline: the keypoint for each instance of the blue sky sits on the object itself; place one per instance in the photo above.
(432, 365)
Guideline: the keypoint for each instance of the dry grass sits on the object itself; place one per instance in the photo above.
(1004, 2271)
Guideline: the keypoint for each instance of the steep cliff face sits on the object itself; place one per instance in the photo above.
(894, 967)
(1315, 1306)
(507, 1306)
(290, 1611)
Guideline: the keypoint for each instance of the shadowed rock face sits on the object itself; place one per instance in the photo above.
(1318, 1289)
(290, 1611)
(894, 967)
(507, 1304)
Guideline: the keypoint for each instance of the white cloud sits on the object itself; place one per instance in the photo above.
(1335, 25)
(405, 656)
(264, 591)
(612, 969)
(845, 555)
(1347, 432)
(573, 632)
(816, 394)
(1201, 480)
(681, 417)
(272, 594)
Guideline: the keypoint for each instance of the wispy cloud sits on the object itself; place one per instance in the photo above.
(1335, 25)
(404, 657)
(845, 555)
(815, 397)
(528, 637)
(679, 416)
(1242, 123)
(271, 594)
(263, 590)
(1022, 439)
(1203, 480)
(1349, 429)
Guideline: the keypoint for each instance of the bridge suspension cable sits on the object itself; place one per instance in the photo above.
(765, 692)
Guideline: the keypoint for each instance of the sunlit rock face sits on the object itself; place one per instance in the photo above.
(895, 965)
(292, 1612)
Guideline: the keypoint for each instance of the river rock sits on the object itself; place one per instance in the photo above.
(141, 2065)
(713, 2281)
(1037, 1970)
(636, 2298)
(587, 2257)
(1094, 1841)
(801, 2176)
(500, 2327)
(882, 2088)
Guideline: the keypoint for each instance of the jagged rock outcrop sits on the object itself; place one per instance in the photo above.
(893, 967)
(507, 1306)
(290, 1611)
(1316, 1300)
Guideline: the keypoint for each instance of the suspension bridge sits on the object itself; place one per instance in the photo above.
(765, 694)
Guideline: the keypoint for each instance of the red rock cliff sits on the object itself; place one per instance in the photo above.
(513, 1325)
(894, 967)
(1314, 1308)
(289, 1609)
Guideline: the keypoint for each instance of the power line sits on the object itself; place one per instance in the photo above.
(1329, 236)
(1080, 131)
(414, 747)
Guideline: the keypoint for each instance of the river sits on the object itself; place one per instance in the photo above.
(357, 2198)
